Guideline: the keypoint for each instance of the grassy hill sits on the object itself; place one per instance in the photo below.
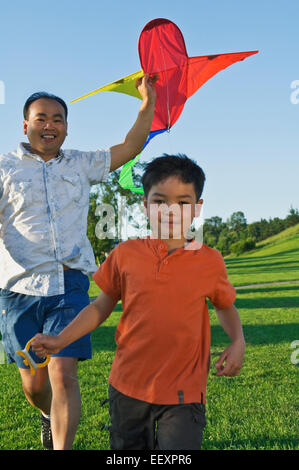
(275, 259)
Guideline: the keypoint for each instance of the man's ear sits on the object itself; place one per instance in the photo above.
(25, 125)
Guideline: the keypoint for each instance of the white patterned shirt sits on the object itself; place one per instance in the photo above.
(43, 217)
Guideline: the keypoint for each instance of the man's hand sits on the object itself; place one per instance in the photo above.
(230, 362)
(44, 345)
(146, 88)
(136, 137)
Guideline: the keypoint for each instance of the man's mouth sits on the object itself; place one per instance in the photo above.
(48, 137)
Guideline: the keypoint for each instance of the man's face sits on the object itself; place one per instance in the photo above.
(171, 206)
(46, 127)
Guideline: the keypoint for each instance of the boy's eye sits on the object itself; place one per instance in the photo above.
(183, 202)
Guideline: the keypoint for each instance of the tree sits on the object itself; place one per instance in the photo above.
(292, 218)
(212, 229)
(105, 197)
(237, 222)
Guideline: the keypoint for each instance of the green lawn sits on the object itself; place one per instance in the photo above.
(256, 410)
(276, 259)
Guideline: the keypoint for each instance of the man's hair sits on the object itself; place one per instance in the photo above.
(179, 165)
(43, 94)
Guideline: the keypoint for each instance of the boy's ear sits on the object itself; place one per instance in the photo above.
(198, 207)
(144, 201)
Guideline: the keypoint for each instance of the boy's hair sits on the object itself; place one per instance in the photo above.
(43, 94)
(179, 165)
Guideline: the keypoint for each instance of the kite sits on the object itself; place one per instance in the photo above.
(162, 51)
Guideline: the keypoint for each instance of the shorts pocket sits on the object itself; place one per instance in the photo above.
(6, 294)
(199, 413)
(58, 320)
(67, 316)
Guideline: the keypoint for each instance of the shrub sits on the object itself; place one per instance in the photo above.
(242, 245)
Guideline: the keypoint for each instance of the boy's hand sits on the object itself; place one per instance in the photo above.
(230, 362)
(44, 345)
(146, 87)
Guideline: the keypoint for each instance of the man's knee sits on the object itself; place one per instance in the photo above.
(35, 386)
(63, 373)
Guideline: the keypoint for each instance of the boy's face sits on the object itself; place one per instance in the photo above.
(171, 206)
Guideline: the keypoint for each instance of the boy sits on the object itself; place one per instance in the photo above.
(158, 378)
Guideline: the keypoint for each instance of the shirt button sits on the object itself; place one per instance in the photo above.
(165, 262)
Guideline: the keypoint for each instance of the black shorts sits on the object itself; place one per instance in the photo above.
(138, 425)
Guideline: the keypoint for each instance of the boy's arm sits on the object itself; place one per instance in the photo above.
(138, 134)
(86, 321)
(233, 355)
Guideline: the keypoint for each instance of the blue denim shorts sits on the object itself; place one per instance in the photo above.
(22, 316)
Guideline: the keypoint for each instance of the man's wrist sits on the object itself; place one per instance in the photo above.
(148, 103)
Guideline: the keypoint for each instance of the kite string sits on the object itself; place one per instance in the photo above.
(167, 91)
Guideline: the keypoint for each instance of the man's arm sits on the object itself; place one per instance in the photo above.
(233, 355)
(88, 320)
(136, 137)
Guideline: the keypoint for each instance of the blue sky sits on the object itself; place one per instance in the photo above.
(241, 126)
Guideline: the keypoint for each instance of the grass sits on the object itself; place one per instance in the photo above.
(275, 259)
(255, 410)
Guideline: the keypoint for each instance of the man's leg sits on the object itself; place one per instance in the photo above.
(38, 392)
(66, 401)
(37, 389)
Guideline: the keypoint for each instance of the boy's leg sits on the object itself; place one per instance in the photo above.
(132, 426)
(180, 427)
(66, 401)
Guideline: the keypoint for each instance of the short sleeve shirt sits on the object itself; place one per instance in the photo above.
(43, 217)
(163, 336)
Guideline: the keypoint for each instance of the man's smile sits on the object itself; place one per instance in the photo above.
(48, 137)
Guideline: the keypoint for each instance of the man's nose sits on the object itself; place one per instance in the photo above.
(49, 125)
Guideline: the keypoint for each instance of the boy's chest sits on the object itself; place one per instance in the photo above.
(174, 275)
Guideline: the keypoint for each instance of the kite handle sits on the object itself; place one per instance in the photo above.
(29, 361)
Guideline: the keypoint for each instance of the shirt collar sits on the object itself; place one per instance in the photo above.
(25, 149)
(160, 248)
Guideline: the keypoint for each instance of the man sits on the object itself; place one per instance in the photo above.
(44, 251)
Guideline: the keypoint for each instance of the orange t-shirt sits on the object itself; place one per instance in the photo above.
(163, 336)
